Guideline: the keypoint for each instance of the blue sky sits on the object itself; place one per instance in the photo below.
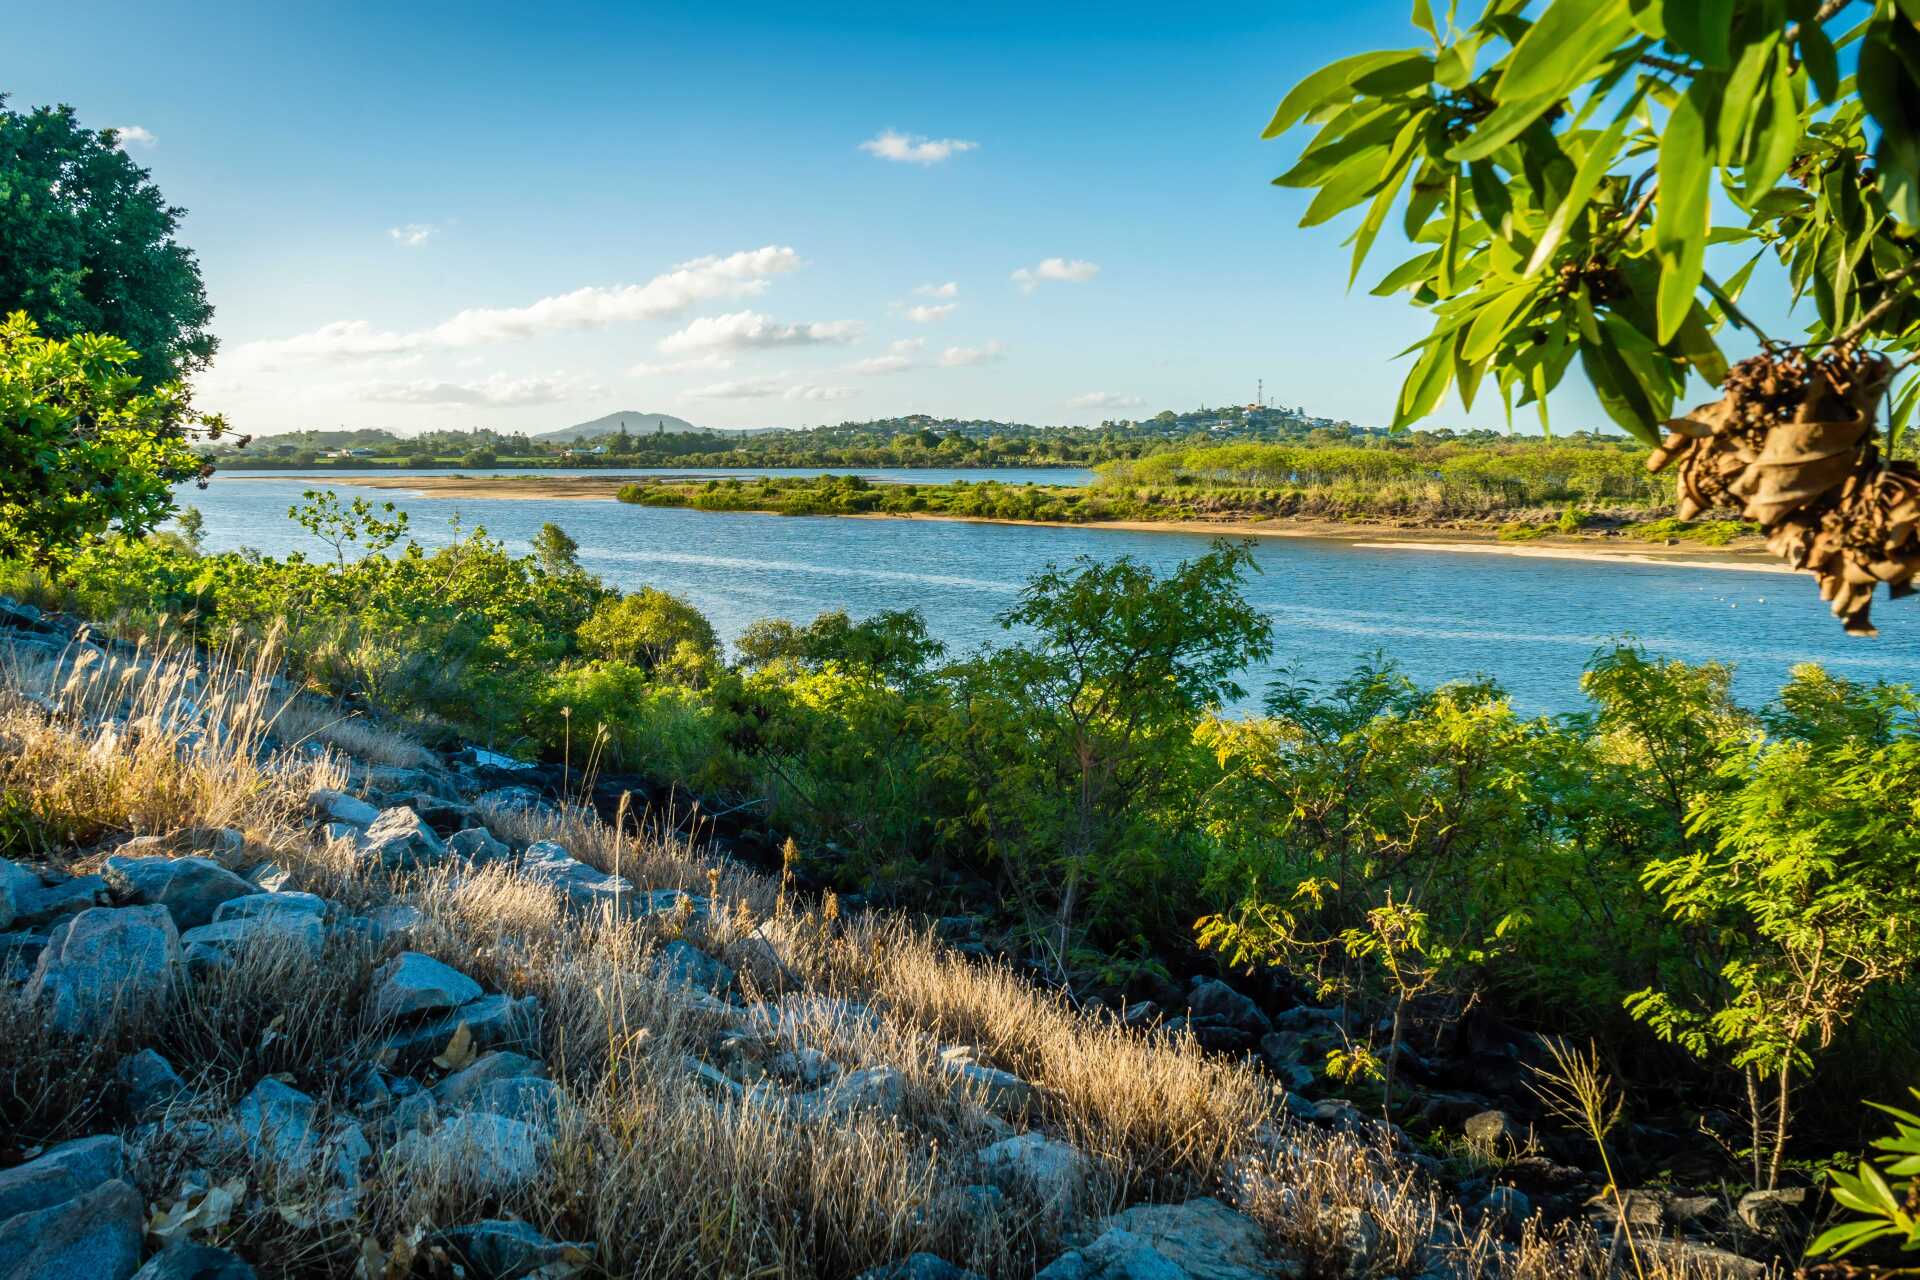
(361, 175)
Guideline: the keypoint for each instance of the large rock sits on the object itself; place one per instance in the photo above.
(148, 1082)
(17, 886)
(400, 840)
(61, 898)
(105, 960)
(1000, 1091)
(1204, 1239)
(219, 943)
(1216, 1001)
(1779, 1214)
(337, 806)
(283, 903)
(277, 1120)
(583, 887)
(191, 889)
(487, 1152)
(681, 964)
(413, 983)
(501, 1084)
(477, 845)
(1054, 1173)
(95, 1235)
(195, 1262)
(492, 1022)
(61, 1173)
(1116, 1255)
(918, 1266)
(502, 1249)
(489, 1069)
(879, 1089)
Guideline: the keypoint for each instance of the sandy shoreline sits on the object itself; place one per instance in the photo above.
(1748, 554)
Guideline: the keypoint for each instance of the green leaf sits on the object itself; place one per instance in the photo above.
(1619, 394)
(1495, 320)
(1562, 49)
(1682, 211)
(1736, 103)
(1507, 122)
(1593, 167)
(1402, 75)
(1410, 272)
(1426, 382)
(1703, 28)
(1818, 56)
(1780, 132)
(1423, 18)
(1329, 84)
(1848, 1236)
(1399, 163)
(1346, 186)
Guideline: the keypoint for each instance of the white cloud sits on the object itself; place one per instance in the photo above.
(947, 290)
(912, 148)
(413, 235)
(820, 393)
(736, 275)
(133, 135)
(740, 389)
(928, 314)
(751, 331)
(957, 357)
(498, 391)
(1071, 270)
(671, 367)
(1104, 400)
(899, 358)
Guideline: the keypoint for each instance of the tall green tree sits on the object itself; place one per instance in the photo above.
(87, 244)
(1560, 171)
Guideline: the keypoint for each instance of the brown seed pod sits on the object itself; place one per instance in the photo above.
(1791, 446)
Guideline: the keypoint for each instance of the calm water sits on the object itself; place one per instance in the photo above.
(1532, 623)
(890, 475)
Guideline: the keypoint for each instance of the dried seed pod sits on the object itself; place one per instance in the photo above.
(1791, 447)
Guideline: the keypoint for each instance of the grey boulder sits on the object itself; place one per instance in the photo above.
(400, 840)
(477, 846)
(681, 964)
(105, 960)
(287, 903)
(149, 1081)
(488, 1152)
(95, 1235)
(277, 1121)
(195, 1262)
(918, 1266)
(502, 1249)
(337, 806)
(191, 889)
(414, 983)
(583, 887)
(492, 1022)
(1052, 1172)
(17, 887)
(61, 1173)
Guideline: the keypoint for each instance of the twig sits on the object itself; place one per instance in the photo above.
(1893, 299)
(1791, 36)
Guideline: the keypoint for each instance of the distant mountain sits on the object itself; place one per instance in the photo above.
(635, 422)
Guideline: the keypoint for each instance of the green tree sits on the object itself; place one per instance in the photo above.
(653, 630)
(87, 245)
(1555, 167)
(358, 523)
(84, 451)
(555, 550)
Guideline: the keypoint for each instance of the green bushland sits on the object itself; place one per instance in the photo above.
(1648, 871)
(1432, 481)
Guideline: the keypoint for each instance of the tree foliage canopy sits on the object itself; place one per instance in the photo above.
(87, 245)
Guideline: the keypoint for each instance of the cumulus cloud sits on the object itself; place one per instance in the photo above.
(1104, 400)
(947, 290)
(1070, 270)
(912, 148)
(498, 391)
(899, 359)
(133, 135)
(929, 314)
(413, 235)
(737, 275)
(690, 365)
(820, 393)
(751, 331)
(986, 353)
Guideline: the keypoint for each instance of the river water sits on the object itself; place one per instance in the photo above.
(1532, 623)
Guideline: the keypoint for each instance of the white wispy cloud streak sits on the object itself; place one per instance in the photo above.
(1104, 400)
(692, 364)
(413, 235)
(498, 391)
(929, 314)
(947, 290)
(912, 148)
(737, 275)
(986, 353)
(899, 359)
(1069, 270)
(767, 388)
(751, 331)
(133, 135)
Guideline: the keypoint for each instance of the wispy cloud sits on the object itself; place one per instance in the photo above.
(1104, 400)
(899, 359)
(1070, 270)
(947, 290)
(133, 135)
(751, 331)
(737, 275)
(498, 391)
(767, 388)
(986, 353)
(912, 148)
(691, 364)
(929, 314)
(413, 235)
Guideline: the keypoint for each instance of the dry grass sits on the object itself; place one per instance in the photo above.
(665, 1169)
